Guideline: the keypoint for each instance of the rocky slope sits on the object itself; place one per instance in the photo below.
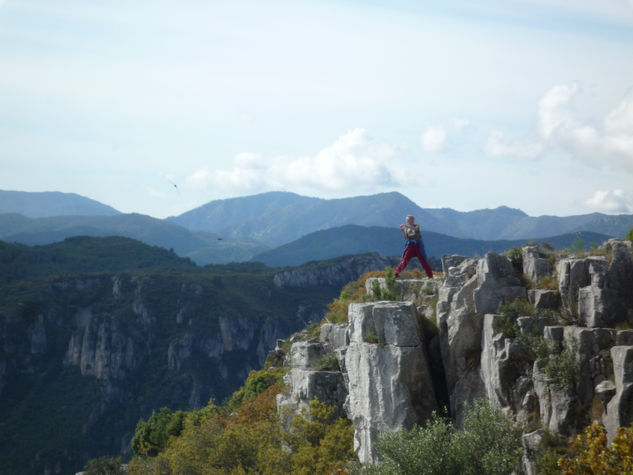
(556, 363)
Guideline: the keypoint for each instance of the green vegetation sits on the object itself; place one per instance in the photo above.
(516, 257)
(507, 322)
(255, 384)
(104, 466)
(351, 293)
(251, 438)
(577, 245)
(561, 365)
(328, 363)
(629, 235)
(151, 436)
(146, 299)
(488, 444)
(593, 454)
(392, 292)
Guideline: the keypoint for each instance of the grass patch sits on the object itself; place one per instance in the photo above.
(328, 363)
(371, 337)
(548, 282)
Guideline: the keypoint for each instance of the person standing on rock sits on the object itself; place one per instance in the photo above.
(414, 247)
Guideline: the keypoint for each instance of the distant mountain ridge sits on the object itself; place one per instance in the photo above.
(353, 239)
(278, 218)
(51, 203)
(203, 247)
(236, 229)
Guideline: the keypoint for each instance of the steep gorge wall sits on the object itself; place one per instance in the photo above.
(83, 358)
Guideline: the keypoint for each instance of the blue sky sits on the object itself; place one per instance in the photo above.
(458, 104)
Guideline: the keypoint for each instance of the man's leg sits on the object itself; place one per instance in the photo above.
(408, 255)
(425, 264)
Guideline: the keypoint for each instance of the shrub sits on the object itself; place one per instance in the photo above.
(352, 292)
(392, 292)
(516, 257)
(250, 438)
(629, 235)
(506, 324)
(488, 444)
(328, 363)
(151, 437)
(255, 384)
(104, 466)
(559, 363)
(594, 455)
(577, 245)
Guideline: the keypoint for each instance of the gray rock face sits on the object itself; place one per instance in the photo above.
(542, 299)
(535, 264)
(561, 407)
(471, 289)
(599, 292)
(334, 336)
(390, 386)
(620, 407)
(573, 274)
(502, 363)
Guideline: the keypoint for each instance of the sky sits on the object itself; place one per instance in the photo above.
(159, 107)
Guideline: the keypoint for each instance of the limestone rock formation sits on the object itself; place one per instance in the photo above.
(555, 369)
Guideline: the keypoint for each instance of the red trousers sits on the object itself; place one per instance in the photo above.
(413, 250)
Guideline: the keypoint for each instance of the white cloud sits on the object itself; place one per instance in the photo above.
(434, 139)
(552, 115)
(499, 146)
(607, 141)
(352, 164)
(460, 123)
(611, 201)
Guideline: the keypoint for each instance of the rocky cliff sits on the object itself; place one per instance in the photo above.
(84, 357)
(542, 336)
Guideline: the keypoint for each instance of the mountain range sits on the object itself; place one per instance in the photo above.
(269, 226)
(51, 203)
(278, 217)
(353, 239)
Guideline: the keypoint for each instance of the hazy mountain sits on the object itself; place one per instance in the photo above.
(203, 247)
(278, 218)
(51, 203)
(352, 239)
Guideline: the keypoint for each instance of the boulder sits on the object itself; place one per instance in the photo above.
(306, 384)
(334, 336)
(542, 299)
(573, 274)
(535, 264)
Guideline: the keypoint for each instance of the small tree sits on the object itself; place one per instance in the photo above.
(104, 466)
(629, 235)
(577, 245)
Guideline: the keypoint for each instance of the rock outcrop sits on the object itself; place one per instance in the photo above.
(557, 368)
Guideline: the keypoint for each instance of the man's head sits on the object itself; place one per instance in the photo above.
(410, 219)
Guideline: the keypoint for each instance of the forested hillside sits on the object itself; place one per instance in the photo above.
(96, 333)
